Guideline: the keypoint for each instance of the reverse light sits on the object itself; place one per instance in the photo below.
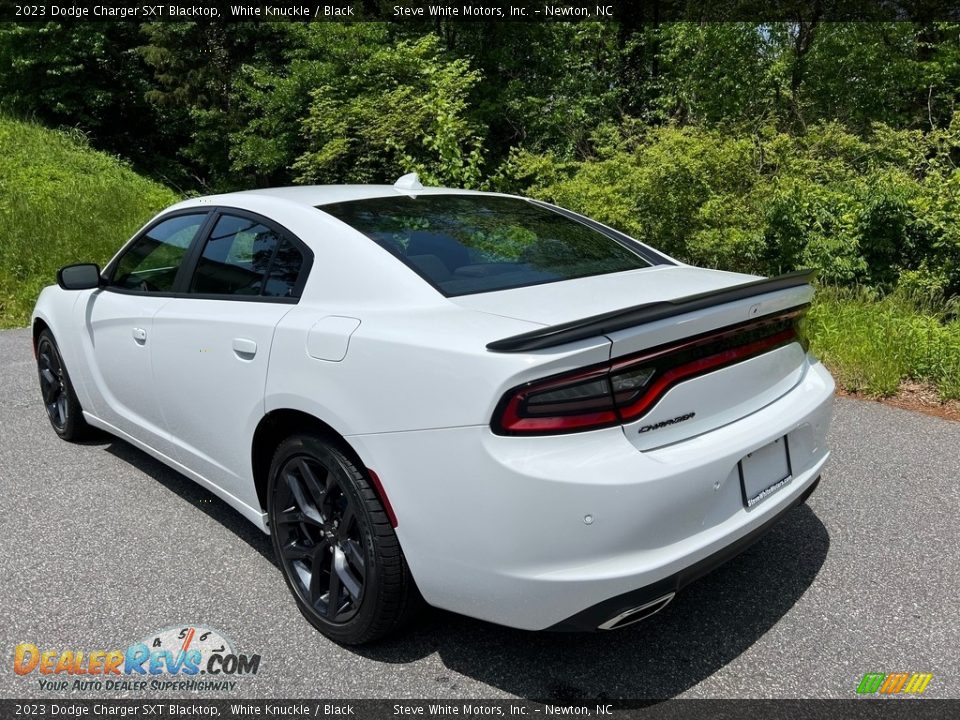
(625, 389)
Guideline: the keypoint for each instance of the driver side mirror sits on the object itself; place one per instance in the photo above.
(79, 277)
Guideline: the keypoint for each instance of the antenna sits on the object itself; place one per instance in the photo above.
(410, 181)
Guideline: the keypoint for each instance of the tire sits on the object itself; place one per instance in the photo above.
(333, 540)
(56, 389)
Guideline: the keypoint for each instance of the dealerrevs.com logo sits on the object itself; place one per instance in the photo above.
(902, 684)
(174, 658)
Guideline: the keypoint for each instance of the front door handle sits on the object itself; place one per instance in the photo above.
(140, 335)
(245, 348)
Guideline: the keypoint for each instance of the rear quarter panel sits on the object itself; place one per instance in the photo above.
(407, 368)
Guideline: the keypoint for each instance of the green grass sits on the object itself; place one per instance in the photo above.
(60, 203)
(872, 343)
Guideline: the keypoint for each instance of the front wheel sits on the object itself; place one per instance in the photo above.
(59, 399)
(333, 539)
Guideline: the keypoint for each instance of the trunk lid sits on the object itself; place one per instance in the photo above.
(555, 303)
(721, 344)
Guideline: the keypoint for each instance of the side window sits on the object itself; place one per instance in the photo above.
(150, 264)
(243, 257)
(283, 275)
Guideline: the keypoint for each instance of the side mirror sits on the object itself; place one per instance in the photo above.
(79, 277)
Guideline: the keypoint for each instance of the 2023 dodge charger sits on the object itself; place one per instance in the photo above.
(512, 410)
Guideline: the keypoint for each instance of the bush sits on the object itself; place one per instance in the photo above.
(871, 211)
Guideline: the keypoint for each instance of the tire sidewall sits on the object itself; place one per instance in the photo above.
(69, 429)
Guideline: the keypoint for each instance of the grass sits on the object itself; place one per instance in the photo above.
(60, 203)
(871, 344)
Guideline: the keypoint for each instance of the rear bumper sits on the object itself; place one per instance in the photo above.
(540, 532)
(593, 617)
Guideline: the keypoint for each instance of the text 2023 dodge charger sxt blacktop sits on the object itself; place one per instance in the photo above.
(518, 413)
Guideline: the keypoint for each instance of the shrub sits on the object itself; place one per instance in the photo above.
(869, 211)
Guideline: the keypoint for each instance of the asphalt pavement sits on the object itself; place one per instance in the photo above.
(102, 545)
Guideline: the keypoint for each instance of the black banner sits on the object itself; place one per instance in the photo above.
(913, 709)
(632, 12)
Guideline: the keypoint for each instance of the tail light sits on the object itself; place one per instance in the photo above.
(625, 389)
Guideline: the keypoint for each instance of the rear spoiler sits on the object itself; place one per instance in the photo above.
(604, 323)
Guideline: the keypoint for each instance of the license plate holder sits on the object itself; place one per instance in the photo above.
(765, 471)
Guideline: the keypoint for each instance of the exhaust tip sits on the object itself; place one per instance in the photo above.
(636, 614)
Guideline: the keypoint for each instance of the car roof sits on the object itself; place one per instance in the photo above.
(318, 195)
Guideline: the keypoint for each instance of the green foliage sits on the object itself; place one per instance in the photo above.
(86, 76)
(395, 109)
(195, 67)
(60, 203)
(351, 105)
(715, 73)
(871, 344)
(864, 209)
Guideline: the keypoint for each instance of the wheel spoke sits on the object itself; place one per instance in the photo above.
(333, 594)
(62, 409)
(341, 571)
(294, 516)
(293, 550)
(50, 393)
(317, 559)
(49, 379)
(354, 555)
(313, 485)
(54, 362)
(343, 528)
(300, 498)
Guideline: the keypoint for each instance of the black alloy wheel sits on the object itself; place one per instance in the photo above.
(59, 399)
(333, 539)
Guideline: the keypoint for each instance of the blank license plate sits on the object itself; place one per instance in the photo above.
(765, 471)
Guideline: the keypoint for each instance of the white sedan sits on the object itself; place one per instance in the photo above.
(496, 405)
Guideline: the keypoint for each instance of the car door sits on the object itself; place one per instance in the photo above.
(118, 322)
(212, 344)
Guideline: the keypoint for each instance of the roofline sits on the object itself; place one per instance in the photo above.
(316, 196)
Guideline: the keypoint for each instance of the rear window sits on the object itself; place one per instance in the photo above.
(463, 244)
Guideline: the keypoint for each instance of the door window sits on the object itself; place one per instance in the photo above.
(245, 257)
(150, 264)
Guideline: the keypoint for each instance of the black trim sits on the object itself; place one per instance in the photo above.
(604, 323)
(65, 267)
(191, 257)
(181, 282)
(590, 619)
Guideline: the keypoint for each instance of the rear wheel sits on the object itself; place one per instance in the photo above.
(333, 539)
(59, 399)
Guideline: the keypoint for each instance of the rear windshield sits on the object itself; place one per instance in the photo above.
(463, 244)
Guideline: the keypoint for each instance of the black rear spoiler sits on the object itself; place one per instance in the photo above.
(649, 312)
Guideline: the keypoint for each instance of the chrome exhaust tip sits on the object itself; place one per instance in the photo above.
(641, 612)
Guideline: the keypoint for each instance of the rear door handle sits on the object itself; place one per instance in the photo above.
(245, 348)
(140, 335)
